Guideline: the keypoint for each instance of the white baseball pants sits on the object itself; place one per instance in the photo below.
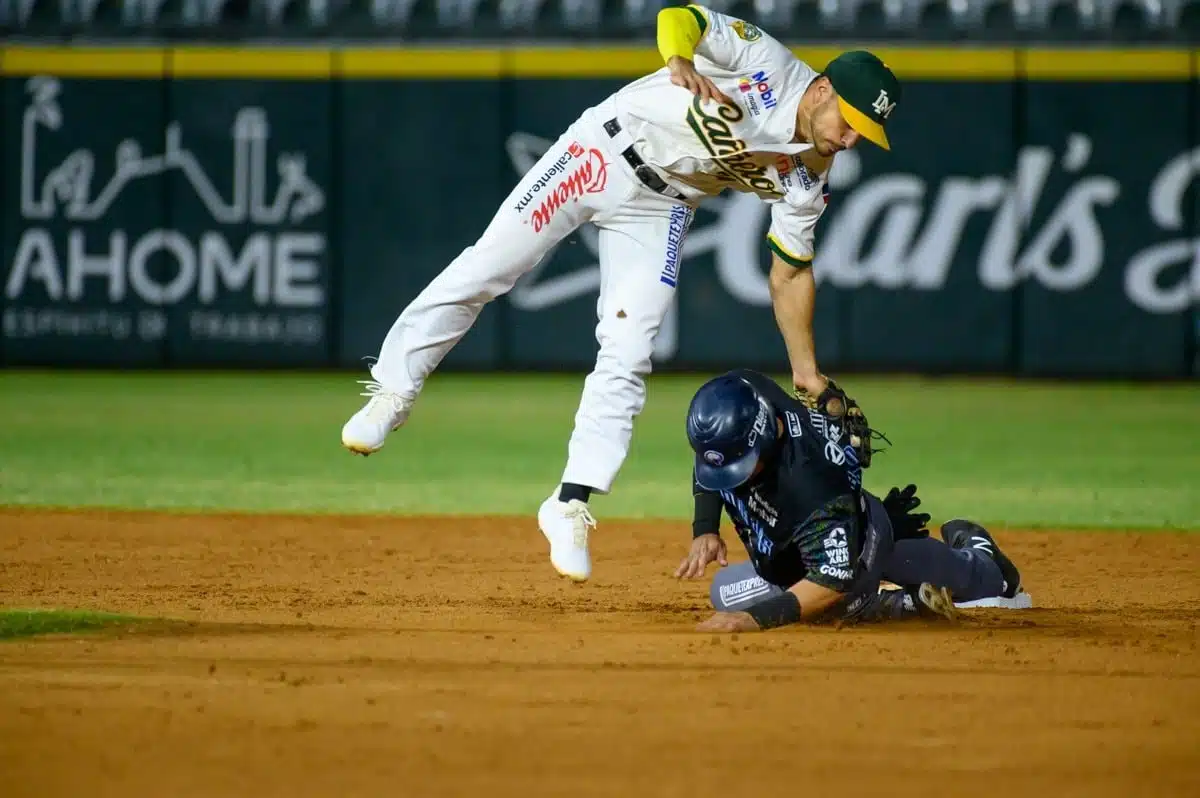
(581, 178)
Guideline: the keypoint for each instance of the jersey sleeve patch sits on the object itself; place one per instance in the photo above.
(795, 426)
(831, 566)
(829, 543)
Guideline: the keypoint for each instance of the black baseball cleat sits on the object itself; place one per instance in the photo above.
(962, 534)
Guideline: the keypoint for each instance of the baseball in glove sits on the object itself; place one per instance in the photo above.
(834, 404)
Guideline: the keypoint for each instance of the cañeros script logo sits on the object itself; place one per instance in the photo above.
(737, 166)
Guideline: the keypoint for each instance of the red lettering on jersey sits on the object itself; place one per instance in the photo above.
(590, 177)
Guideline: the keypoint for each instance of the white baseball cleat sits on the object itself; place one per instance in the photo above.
(1021, 601)
(566, 525)
(383, 413)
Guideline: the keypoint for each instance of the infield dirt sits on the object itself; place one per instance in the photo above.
(442, 657)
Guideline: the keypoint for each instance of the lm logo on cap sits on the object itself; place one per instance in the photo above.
(883, 105)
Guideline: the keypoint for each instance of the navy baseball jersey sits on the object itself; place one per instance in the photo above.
(802, 516)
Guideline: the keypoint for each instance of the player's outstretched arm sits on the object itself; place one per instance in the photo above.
(793, 297)
(804, 601)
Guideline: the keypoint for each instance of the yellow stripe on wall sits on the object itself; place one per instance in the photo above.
(1107, 64)
(421, 62)
(927, 63)
(600, 62)
(446, 63)
(84, 62)
(270, 63)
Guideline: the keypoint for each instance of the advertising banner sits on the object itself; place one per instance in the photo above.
(1106, 263)
(154, 224)
(911, 235)
(1038, 213)
(83, 213)
(246, 238)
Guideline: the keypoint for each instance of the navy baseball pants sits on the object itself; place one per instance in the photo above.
(969, 574)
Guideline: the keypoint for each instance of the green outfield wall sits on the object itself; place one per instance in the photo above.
(256, 207)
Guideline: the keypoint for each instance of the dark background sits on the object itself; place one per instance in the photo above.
(940, 277)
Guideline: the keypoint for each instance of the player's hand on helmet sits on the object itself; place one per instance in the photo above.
(899, 505)
(730, 622)
(683, 73)
(705, 549)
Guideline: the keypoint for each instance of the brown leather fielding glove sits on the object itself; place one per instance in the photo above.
(834, 404)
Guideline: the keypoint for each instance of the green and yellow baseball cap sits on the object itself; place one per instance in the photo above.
(867, 93)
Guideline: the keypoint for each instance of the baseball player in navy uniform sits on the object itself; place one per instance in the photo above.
(790, 478)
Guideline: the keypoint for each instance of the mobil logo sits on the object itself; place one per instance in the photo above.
(758, 83)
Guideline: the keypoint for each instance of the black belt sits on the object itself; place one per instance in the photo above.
(640, 168)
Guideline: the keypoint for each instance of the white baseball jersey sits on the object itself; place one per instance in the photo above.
(705, 148)
(640, 231)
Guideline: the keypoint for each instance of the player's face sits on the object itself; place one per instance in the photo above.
(831, 132)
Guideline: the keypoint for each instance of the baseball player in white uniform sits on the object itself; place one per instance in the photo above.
(732, 108)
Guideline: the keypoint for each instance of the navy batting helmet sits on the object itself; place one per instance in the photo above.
(730, 427)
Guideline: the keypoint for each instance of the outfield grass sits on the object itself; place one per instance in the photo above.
(27, 623)
(1121, 456)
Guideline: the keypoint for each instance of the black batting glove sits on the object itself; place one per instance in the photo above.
(899, 505)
